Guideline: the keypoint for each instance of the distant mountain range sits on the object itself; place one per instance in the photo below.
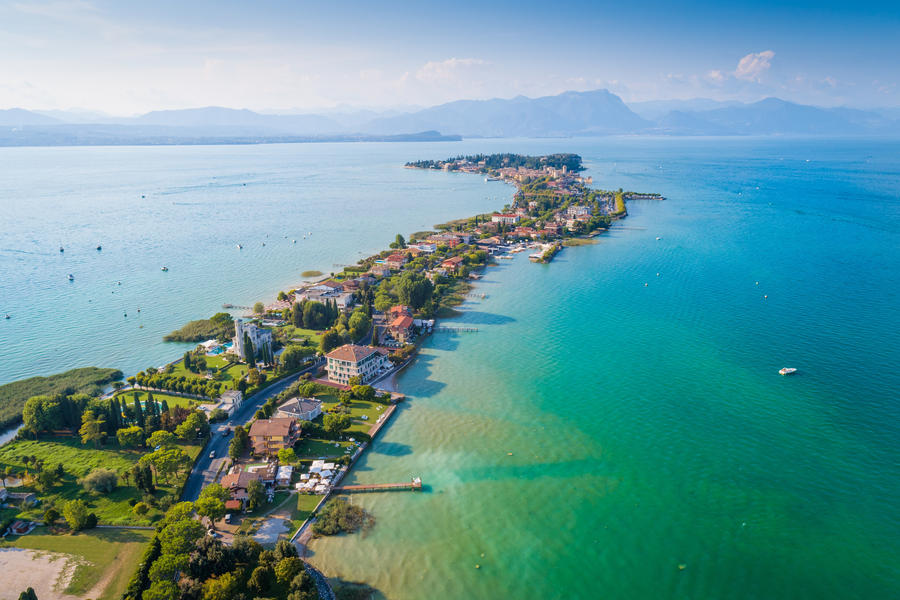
(598, 112)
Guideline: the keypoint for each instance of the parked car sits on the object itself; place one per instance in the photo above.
(212, 454)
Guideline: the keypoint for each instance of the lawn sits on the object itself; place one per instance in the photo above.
(233, 373)
(78, 461)
(302, 509)
(309, 448)
(358, 409)
(108, 557)
(289, 332)
(172, 401)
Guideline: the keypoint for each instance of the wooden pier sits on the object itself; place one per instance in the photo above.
(410, 486)
(445, 329)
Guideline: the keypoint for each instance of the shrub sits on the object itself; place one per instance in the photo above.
(100, 481)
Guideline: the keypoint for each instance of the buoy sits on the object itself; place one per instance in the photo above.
(765, 297)
(757, 283)
(482, 555)
(682, 567)
(657, 274)
(477, 566)
(646, 284)
(509, 453)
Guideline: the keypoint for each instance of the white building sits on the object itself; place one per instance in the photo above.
(351, 360)
(259, 337)
(305, 409)
(505, 219)
(578, 210)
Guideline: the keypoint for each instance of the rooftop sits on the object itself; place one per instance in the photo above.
(351, 353)
(279, 426)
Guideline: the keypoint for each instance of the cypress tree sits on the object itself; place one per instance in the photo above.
(187, 361)
(138, 412)
(249, 352)
(152, 408)
(165, 407)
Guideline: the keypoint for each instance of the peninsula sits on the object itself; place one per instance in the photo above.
(228, 456)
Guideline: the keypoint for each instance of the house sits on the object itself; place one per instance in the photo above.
(505, 219)
(283, 478)
(259, 337)
(399, 310)
(304, 409)
(396, 261)
(423, 247)
(453, 264)
(402, 328)
(231, 400)
(236, 483)
(380, 271)
(351, 360)
(268, 436)
(578, 210)
(444, 239)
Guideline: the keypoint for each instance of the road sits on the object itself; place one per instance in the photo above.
(204, 471)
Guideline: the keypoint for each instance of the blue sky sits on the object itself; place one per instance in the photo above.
(129, 57)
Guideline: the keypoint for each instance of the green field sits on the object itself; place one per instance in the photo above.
(302, 509)
(110, 555)
(233, 373)
(172, 401)
(358, 408)
(78, 461)
(309, 449)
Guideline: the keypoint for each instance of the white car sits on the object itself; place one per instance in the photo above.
(212, 454)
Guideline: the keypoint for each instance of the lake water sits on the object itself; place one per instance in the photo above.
(597, 437)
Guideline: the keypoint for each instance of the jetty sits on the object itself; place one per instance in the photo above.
(415, 485)
(446, 329)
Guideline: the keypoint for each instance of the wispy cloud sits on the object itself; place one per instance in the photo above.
(754, 65)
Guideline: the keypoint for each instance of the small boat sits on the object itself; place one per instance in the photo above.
(71, 277)
(7, 316)
(99, 247)
(61, 249)
(164, 269)
(239, 246)
(293, 241)
(658, 238)
(787, 371)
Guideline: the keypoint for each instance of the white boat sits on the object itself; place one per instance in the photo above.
(164, 269)
(787, 371)
(71, 277)
(239, 246)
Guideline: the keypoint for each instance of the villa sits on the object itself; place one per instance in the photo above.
(453, 263)
(401, 328)
(304, 409)
(268, 436)
(396, 261)
(351, 360)
(236, 483)
(505, 219)
(259, 337)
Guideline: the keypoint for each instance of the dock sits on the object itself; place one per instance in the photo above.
(445, 329)
(409, 486)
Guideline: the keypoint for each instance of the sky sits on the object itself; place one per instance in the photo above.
(125, 58)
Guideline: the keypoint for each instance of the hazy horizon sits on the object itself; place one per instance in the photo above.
(125, 59)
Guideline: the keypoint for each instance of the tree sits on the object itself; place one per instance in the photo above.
(161, 439)
(330, 340)
(187, 361)
(239, 443)
(51, 515)
(215, 490)
(28, 595)
(413, 289)
(285, 549)
(42, 413)
(100, 481)
(287, 455)
(138, 411)
(140, 509)
(211, 507)
(359, 323)
(259, 308)
(260, 580)
(364, 392)
(166, 566)
(314, 315)
(130, 437)
(253, 377)
(296, 315)
(45, 480)
(249, 352)
(92, 428)
(179, 537)
(255, 494)
(224, 587)
(335, 423)
(167, 461)
(76, 514)
(195, 425)
(161, 590)
(287, 569)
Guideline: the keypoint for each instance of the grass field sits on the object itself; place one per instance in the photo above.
(233, 373)
(78, 461)
(289, 332)
(309, 448)
(172, 401)
(302, 509)
(104, 559)
(358, 409)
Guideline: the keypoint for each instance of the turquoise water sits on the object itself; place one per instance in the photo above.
(647, 424)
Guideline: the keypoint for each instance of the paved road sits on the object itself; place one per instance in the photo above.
(206, 468)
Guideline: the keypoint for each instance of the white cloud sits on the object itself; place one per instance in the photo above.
(752, 66)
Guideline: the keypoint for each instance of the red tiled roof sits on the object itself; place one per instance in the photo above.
(403, 322)
(280, 426)
(351, 353)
